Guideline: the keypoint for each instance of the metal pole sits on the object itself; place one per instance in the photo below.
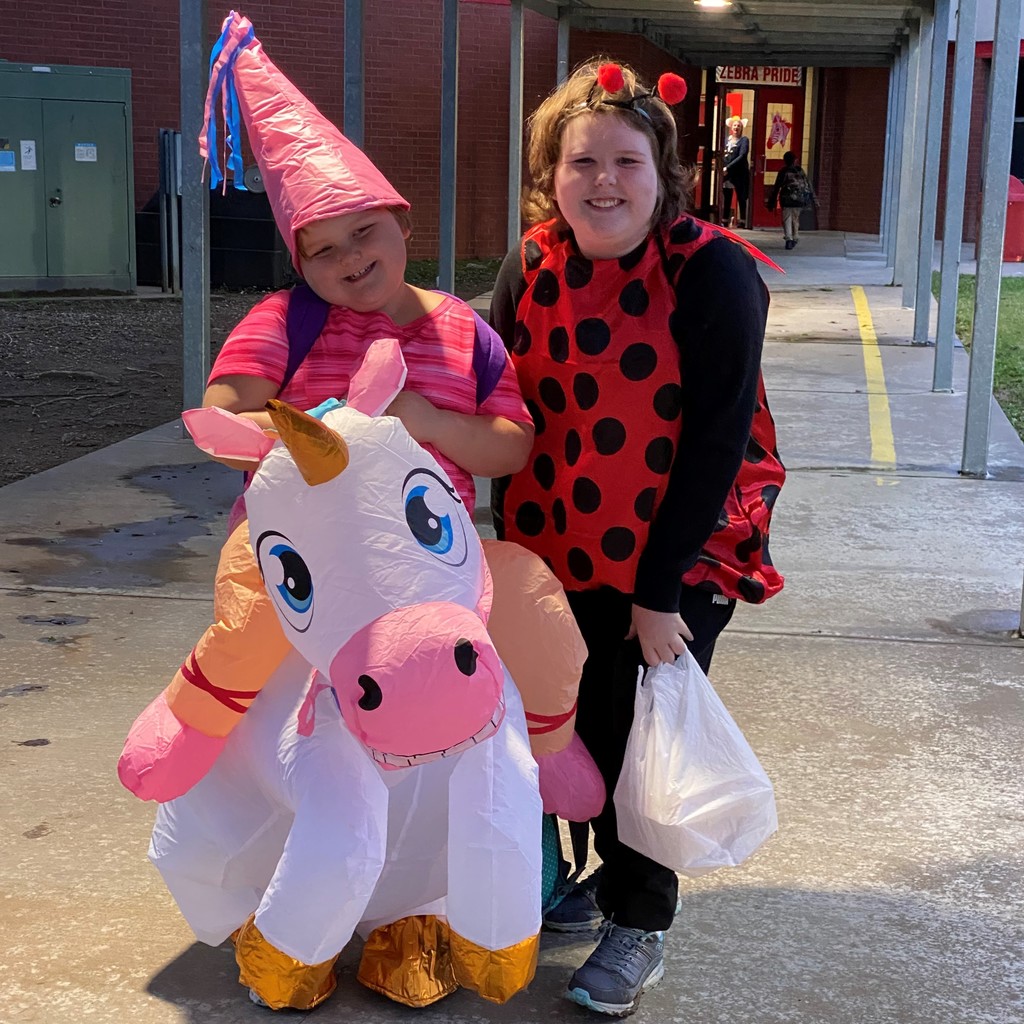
(995, 185)
(897, 164)
(562, 69)
(195, 206)
(956, 176)
(449, 142)
(932, 158)
(515, 120)
(890, 104)
(175, 201)
(905, 235)
(354, 125)
(165, 194)
(915, 193)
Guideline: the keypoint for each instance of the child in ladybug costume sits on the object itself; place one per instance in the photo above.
(636, 332)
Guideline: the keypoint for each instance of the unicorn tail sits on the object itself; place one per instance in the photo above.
(236, 35)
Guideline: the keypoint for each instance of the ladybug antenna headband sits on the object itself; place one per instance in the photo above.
(670, 88)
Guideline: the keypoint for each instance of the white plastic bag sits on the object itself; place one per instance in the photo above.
(692, 795)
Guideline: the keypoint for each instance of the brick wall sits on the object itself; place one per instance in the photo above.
(851, 148)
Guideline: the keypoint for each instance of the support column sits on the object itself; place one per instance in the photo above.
(449, 143)
(995, 184)
(899, 138)
(932, 158)
(890, 106)
(195, 205)
(515, 120)
(562, 68)
(354, 125)
(956, 177)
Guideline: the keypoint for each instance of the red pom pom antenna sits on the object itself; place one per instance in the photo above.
(671, 88)
(609, 77)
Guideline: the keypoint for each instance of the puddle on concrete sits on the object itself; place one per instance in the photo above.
(989, 623)
(141, 553)
(31, 743)
(17, 691)
(42, 829)
(53, 620)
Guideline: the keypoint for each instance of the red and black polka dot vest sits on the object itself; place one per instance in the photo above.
(600, 372)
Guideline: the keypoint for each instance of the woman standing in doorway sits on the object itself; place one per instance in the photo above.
(737, 172)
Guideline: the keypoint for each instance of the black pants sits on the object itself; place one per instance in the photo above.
(741, 186)
(633, 890)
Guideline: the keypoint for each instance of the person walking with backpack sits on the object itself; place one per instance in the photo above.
(793, 191)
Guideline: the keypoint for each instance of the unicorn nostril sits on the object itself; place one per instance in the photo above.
(465, 656)
(372, 696)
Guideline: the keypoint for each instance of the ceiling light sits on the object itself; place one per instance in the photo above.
(713, 3)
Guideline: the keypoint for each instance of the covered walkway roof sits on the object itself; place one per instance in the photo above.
(817, 33)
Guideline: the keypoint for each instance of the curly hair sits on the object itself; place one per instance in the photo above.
(580, 94)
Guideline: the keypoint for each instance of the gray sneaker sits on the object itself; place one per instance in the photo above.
(626, 962)
(577, 911)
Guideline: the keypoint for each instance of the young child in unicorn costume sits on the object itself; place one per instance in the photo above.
(386, 780)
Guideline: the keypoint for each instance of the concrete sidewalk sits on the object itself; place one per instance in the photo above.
(883, 691)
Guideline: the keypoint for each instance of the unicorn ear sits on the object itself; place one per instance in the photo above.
(224, 435)
(381, 375)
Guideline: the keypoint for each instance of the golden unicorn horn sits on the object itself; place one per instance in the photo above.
(318, 451)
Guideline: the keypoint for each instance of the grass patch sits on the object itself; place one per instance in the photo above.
(471, 276)
(1009, 376)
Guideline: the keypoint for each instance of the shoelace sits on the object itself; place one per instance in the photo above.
(618, 944)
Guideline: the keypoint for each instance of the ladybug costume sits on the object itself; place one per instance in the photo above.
(630, 472)
(653, 474)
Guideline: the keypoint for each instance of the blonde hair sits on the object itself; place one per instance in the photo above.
(580, 94)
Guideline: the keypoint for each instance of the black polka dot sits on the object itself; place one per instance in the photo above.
(683, 231)
(586, 495)
(644, 504)
(580, 565)
(521, 339)
(749, 547)
(592, 336)
(668, 401)
(658, 455)
(633, 299)
(766, 558)
(551, 394)
(558, 344)
(545, 290)
(769, 493)
(547, 561)
(706, 559)
(544, 471)
(633, 257)
(584, 387)
(573, 447)
(578, 271)
(618, 543)
(755, 452)
(716, 233)
(530, 519)
(638, 362)
(532, 255)
(723, 521)
(609, 435)
(539, 422)
(558, 516)
(677, 324)
(752, 590)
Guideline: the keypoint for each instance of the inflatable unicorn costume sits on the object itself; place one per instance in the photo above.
(382, 782)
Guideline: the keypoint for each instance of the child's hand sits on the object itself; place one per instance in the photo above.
(417, 415)
(660, 634)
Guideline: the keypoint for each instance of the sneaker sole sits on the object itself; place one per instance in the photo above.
(574, 926)
(581, 997)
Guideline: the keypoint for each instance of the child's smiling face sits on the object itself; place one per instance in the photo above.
(356, 260)
(606, 184)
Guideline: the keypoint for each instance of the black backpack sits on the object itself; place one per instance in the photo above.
(796, 189)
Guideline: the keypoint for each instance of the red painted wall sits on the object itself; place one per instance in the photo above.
(851, 148)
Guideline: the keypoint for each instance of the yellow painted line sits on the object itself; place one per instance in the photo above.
(883, 449)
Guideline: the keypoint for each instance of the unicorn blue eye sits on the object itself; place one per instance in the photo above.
(287, 578)
(434, 515)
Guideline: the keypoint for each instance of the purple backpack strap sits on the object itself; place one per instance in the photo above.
(305, 319)
(488, 355)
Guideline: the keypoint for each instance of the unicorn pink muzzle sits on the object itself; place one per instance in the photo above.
(420, 683)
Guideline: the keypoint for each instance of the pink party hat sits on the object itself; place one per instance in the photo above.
(310, 170)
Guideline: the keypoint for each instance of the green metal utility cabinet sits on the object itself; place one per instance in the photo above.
(67, 207)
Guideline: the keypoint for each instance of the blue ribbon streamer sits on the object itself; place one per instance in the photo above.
(225, 84)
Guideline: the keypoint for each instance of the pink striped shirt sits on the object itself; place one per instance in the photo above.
(438, 350)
